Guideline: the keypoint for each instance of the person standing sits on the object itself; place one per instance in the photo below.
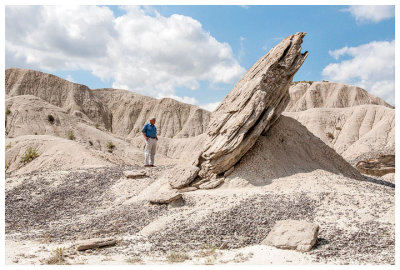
(149, 132)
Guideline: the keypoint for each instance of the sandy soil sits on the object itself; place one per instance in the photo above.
(53, 210)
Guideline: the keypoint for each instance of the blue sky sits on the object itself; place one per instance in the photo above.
(196, 54)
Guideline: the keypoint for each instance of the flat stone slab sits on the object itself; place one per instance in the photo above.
(187, 189)
(377, 166)
(135, 174)
(181, 175)
(199, 182)
(163, 197)
(212, 184)
(293, 234)
(95, 243)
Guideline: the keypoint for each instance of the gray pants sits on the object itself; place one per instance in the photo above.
(150, 151)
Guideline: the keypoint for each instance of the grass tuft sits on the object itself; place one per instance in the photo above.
(174, 257)
(110, 147)
(29, 155)
(71, 135)
(57, 258)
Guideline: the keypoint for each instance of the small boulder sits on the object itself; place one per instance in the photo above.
(95, 243)
(293, 234)
(135, 174)
(198, 182)
(181, 175)
(212, 183)
(165, 196)
(377, 166)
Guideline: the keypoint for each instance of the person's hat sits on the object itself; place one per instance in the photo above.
(152, 118)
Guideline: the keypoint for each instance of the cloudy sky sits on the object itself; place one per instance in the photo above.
(196, 54)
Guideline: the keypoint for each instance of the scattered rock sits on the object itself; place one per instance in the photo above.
(95, 243)
(293, 234)
(377, 166)
(181, 175)
(212, 184)
(164, 196)
(187, 189)
(229, 172)
(199, 182)
(251, 108)
(176, 203)
(135, 174)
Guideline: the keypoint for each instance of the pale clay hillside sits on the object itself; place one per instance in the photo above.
(268, 177)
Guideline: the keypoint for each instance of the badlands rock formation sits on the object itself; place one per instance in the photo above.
(251, 107)
(305, 95)
(131, 111)
(356, 124)
(120, 111)
(72, 97)
(356, 133)
(76, 189)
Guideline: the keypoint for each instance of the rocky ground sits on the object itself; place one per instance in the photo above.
(56, 209)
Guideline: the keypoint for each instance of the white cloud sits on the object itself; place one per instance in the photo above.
(210, 106)
(371, 66)
(185, 99)
(371, 13)
(69, 78)
(242, 51)
(141, 51)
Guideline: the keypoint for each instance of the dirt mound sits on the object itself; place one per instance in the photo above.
(357, 133)
(53, 153)
(307, 95)
(287, 149)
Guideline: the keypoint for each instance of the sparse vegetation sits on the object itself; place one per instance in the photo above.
(46, 238)
(8, 111)
(96, 125)
(50, 118)
(29, 155)
(7, 165)
(90, 143)
(207, 250)
(71, 135)
(338, 128)
(174, 257)
(8, 146)
(35, 133)
(135, 260)
(110, 146)
(58, 257)
(330, 135)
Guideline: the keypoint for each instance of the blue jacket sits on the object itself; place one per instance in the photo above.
(150, 130)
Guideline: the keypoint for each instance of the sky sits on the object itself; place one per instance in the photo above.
(196, 54)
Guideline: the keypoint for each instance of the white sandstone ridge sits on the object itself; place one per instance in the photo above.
(308, 95)
(120, 111)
